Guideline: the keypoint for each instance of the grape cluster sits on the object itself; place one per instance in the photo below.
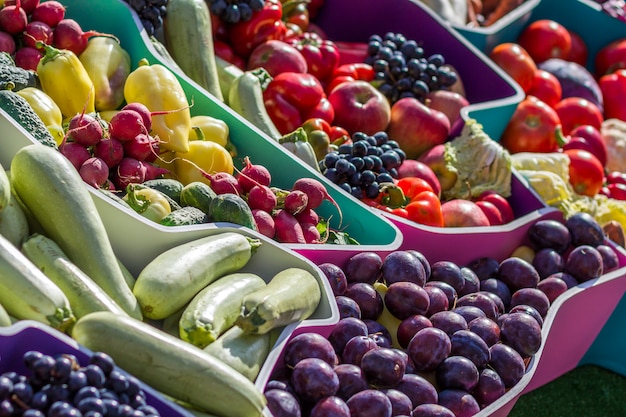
(151, 13)
(403, 69)
(233, 11)
(56, 385)
(361, 166)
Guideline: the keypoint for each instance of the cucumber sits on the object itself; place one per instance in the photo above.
(14, 223)
(27, 293)
(197, 194)
(227, 73)
(175, 276)
(170, 365)
(84, 295)
(174, 205)
(233, 209)
(245, 353)
(51, 188)
(291, 295)
(185, 216)
(16, 78)
(214, 309)
(168, 186)
(6, 59)
(21, 111)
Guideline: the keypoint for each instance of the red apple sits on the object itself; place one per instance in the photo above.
(276, 56)
(435, 159)
(463, 213)
(491, 211)
(416, 127)
(449, 103)
(360, 107)
(501, 203)
(414, 168)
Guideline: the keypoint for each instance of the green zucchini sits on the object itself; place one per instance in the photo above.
(175, 276)
(197, 194)
(5, 318)
(245, 353)
(214, 309)
(27, 293)
(51, 188)
(291, 295)
(84, 295)
(168, 186)
(185, 216)
(5, 189)
(13, 222)
(227, 73)
(170, 365)
(231, 208)
(21, 111)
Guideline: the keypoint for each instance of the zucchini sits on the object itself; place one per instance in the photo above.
(231, 208)
(175, 276)
(197, 194)
(13, 222)
(227, 73)
(291, 295)
(84, 295)
(5, 318)
(188, 37)
(245, 353)
(5, 189)
(168, 186)
(27, 293)
(170, 365)
(22, 112)
(185, 216)
(51, 188)
(214, 309)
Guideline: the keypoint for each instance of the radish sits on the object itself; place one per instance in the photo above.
(27, 58)
(140, 147)
(76, 153)
(7, 43)
(110, 150)
(126, 124)
(27, 5)
(251, 175)
(50, 12)
(261, 197)
(143, 110)
(288, 230)
(315, 191)
(36, 31)
(296, 201)
(13, 18)
(223, 183)
(94, 171)
(85, 129)
(310, 232)
(153, 171)
(264, 223)
(128, 171)
(156, 149)
(69, 35)
(308, 216)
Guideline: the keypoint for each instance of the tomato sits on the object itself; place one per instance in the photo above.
(516, 62)
(611, 57)
(579, 51)
(588, 138)
(412, 186)
(316, 123)
(546, 87)
(577, 111)
(586, 173)
(425, 208)
(338, 132)
(532, 128)
(544, 39)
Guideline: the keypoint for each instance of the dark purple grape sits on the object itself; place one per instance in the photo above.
(584, 263)
(517, 273)
(336, 277)
(470, 345)
(448, 321)
(400, 402)
(6, 387)
(547, 261)
(23, 392)
(330, 407)
(409, 326)
(484, 267)
(460, 402)
(6, 408)
(76, 381)
(471, 281)
(432, 410)
(30, 357)
(552, 287)
(481, 300)
(347, 307)
(584, 230)
(356, 348)
(369, 403)
(104, 361)
(457, 372)
(448, 272)
(383, 367)
(363, 267)
(313, 379)
(489, 388)
(438, 300)
(428, 348)
(469, 313)
(418, 389)
(351, 380)
(282, 403)
(309, 345)
(610, 261)
(401, 266)
(569, 279)
(404, 299)
(526, 309)
(486, 328)
(497, 287)
(508, 363)
(447, 289)
(532, 297)
(91, 404)
(42, 367)
(369, 300)
(378, 332)
(95, 375)
(522, 333)
(422, 258)
(549, 233)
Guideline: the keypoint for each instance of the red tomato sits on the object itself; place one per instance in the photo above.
(425, 208)
(516, 62)
(579, 51)
(337, 132)
(577, 111)
(544, 39)
(532, 128)
(586, 173)
(611, 57)
(412, 186)
(546, 87)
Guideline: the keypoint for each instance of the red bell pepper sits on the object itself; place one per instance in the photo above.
(225, 51)
(322, 55)
(611, 57)
(265, 24)
(613, 88)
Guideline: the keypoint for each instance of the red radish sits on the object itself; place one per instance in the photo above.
(27, 5)
(69, 35)
(27, 58)
(224, 183)
(36, 31)
(110, 150)
(153, 171)
(140, 147)
(13, 18)
(85, 129)
(316, 192)
(308, 216)
(311, 234)
(156, 149)
(7, 43)
(264, 223)
(288, 230)
(128, 171)
(50, 12)
(94, 171)
(76, 153)
(261, 197)
(108, 185)
(125, 125)
(296, 201)
(251, 175)
(143, 110)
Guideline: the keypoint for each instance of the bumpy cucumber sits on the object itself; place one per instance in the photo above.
(245, 353)
(291, 295)
(168, 186)
(185, 216)
(175, 276)
(197, 194)
(84, 295)
(54, 193)
(231, 208)
(27, 293)
(21, 111)
(17, 78)
(170, 365)
(214, 309)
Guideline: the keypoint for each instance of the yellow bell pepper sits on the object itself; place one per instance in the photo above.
(46, 109)
(108, 66)
(203, 156)
(156, 87)
(64, 78)
(216, 130)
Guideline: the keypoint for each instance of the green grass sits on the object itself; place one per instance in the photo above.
(586, 391)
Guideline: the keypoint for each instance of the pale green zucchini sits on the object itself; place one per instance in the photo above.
(215, 308)
(170, 365)
(54, 193)
(5, 189)
(227, 73)
(175, 276)
(13, 222)
(291, 295)
(84, 295)
(5, 318)
(26, 293)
